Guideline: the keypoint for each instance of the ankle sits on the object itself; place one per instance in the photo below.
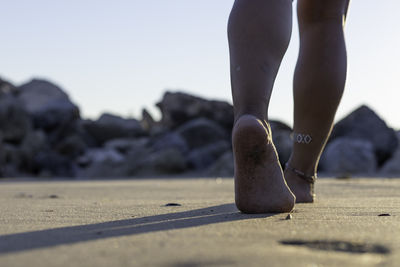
(258, 115)
(252, 120)
(307, 168)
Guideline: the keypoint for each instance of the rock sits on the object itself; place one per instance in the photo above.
(48, 104)
(135, 153)
(80, 130)
(281, 136)
(2, 157)
(279, 126)
(33, 143)
(289, 217)
(127, 145)
(170, 140)
(7, 89)
(100, 155)
(109, 127)
(363, 123)
(144, 160)
(200, 132)
(392, 166)
(172, 205)
(16, 160)
(69, 139)
(164, 162)
(223, 166)
(152, 127)
(15, 122)
(101, 163)
(72, 146)
(112, 164)
(10, 160)
(347, 156)
(203, 157)
(147, 120)
(178, 108)
(51, 164)
(284, 145)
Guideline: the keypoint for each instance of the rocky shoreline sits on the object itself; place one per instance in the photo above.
(43, 135)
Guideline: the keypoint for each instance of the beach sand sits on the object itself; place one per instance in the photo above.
(194, 222)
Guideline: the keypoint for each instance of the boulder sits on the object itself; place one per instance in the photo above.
(282, 138)
(163, 162)
(202, 157)
(152, 127)
(79, 129)
(70, 139)
(22, 159)
(7, 89)
(71, 146)
(100, 163)
(112, 164)
(348, 156)
(279, 126)
(223, 166)
(200, 132)
(33, 143)
(52, 164)
(2, 157)
(170, 140)
(47, 103)
(10, 160)
(147, 120)
(127, 145)
(100, 155)
(178, 108)
(109, 127)
(392, 166)
(363, 123)
(15, 122)
(117, 158)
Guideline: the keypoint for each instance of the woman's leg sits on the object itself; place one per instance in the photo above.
(318, 87)
(259, 32)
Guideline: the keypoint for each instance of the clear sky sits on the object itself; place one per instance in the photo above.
(120, 56)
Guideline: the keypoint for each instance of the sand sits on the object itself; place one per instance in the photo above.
(193, 222)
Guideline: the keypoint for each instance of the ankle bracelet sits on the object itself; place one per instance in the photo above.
(309, 178)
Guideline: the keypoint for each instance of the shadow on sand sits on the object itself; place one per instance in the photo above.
(81, 233)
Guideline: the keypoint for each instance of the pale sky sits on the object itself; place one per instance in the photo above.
(120, 56)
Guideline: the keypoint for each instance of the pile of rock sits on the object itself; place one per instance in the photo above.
(363, 144)
(42, 134)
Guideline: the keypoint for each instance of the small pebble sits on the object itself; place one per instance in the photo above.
(172, 204)
(384, 214)
(289, 217)
(53, 196)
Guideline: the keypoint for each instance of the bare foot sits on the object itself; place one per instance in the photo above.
(303, 190)
(259, 183)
